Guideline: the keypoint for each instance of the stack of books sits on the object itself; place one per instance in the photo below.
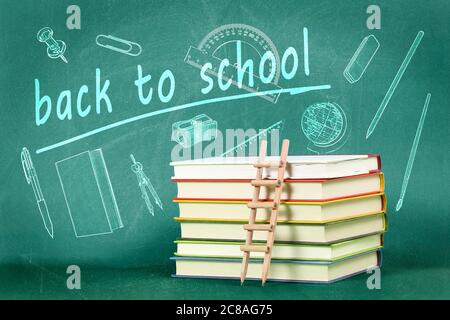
(330, 223)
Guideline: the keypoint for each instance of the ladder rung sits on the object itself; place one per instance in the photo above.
(266, 183)
(255, 248)
(258, 227)
(278, 164)
(265, 204)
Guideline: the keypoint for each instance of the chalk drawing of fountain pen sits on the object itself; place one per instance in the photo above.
(31, 177)
(146, 186)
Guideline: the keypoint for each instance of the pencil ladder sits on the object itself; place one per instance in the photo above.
(256, 204)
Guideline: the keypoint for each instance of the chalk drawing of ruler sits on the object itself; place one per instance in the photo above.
(197, 58)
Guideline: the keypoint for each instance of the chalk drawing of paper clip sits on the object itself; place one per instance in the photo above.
(118, 45)
(361, 59)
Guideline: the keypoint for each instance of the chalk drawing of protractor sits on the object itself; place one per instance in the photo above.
(222, 42)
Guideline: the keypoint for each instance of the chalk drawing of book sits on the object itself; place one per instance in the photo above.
(89, 194)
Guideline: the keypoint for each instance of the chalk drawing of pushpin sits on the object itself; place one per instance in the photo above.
(55, 48)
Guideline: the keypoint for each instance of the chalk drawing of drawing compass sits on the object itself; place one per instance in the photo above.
(222, 43)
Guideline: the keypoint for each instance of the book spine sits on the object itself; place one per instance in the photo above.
(105, 188)
(378, 161)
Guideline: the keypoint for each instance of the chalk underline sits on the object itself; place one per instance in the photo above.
(292, 91)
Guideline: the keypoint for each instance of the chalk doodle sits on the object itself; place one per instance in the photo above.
(326, 126)
(222, 43)
(412, 154)
(190, 132)
(394, 83)
(33, 180)
(55, 48)
(261, 135)
(146, 186)
(89, 194)
(119, 45)
(361, 59)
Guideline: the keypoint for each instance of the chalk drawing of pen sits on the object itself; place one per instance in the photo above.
(394, 83)
(412, 154)
(145, 185)
(31, 177)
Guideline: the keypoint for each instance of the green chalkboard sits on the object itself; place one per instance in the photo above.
(130, 259)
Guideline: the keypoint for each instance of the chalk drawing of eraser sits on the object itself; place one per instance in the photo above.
(361, 59)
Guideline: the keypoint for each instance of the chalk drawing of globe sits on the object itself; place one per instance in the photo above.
(324, 123)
